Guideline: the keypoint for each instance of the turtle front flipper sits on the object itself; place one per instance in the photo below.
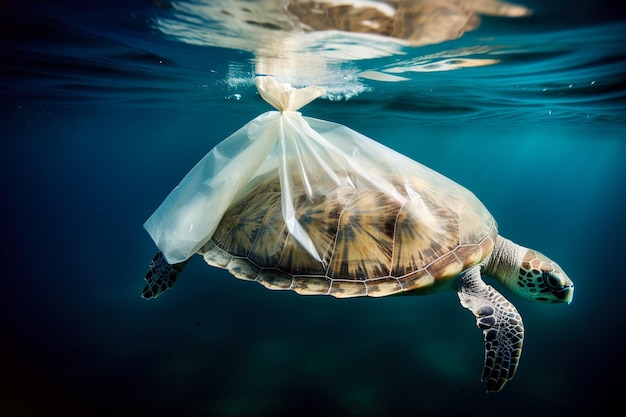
(161, 276)
(501, 325)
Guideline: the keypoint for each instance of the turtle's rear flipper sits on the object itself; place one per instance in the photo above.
(501, 324)
(161, 276)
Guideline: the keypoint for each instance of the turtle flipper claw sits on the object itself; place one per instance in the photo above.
(501, 324)
(161, 276)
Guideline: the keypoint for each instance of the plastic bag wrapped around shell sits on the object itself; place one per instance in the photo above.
(312, 154)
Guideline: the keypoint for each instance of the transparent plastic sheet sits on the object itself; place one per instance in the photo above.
(313, 154)
(190, 214)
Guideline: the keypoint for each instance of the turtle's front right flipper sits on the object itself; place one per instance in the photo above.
(161, 276)
(501, 324)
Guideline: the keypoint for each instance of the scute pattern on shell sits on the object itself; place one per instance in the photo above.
(371, 242)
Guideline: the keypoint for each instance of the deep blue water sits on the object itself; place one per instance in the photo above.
(103, 112)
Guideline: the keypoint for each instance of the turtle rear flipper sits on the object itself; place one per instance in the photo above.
(501, 325)
(161, 276)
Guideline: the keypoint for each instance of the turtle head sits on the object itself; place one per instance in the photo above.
(541, 279)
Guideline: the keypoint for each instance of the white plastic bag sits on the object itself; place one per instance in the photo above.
(317, 155)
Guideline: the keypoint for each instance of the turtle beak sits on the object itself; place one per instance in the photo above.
(566, 294)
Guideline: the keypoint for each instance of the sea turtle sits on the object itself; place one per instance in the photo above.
(376, 243)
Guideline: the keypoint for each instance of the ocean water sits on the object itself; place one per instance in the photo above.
(106, 105)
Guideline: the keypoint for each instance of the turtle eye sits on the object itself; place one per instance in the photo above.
(553, 281)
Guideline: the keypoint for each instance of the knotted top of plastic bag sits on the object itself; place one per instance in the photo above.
(284, 97)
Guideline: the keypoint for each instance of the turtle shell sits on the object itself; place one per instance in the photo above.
(417, 236)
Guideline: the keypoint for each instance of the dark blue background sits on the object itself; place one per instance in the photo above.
(102, 116)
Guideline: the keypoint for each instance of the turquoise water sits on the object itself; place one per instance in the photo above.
(104, 111)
